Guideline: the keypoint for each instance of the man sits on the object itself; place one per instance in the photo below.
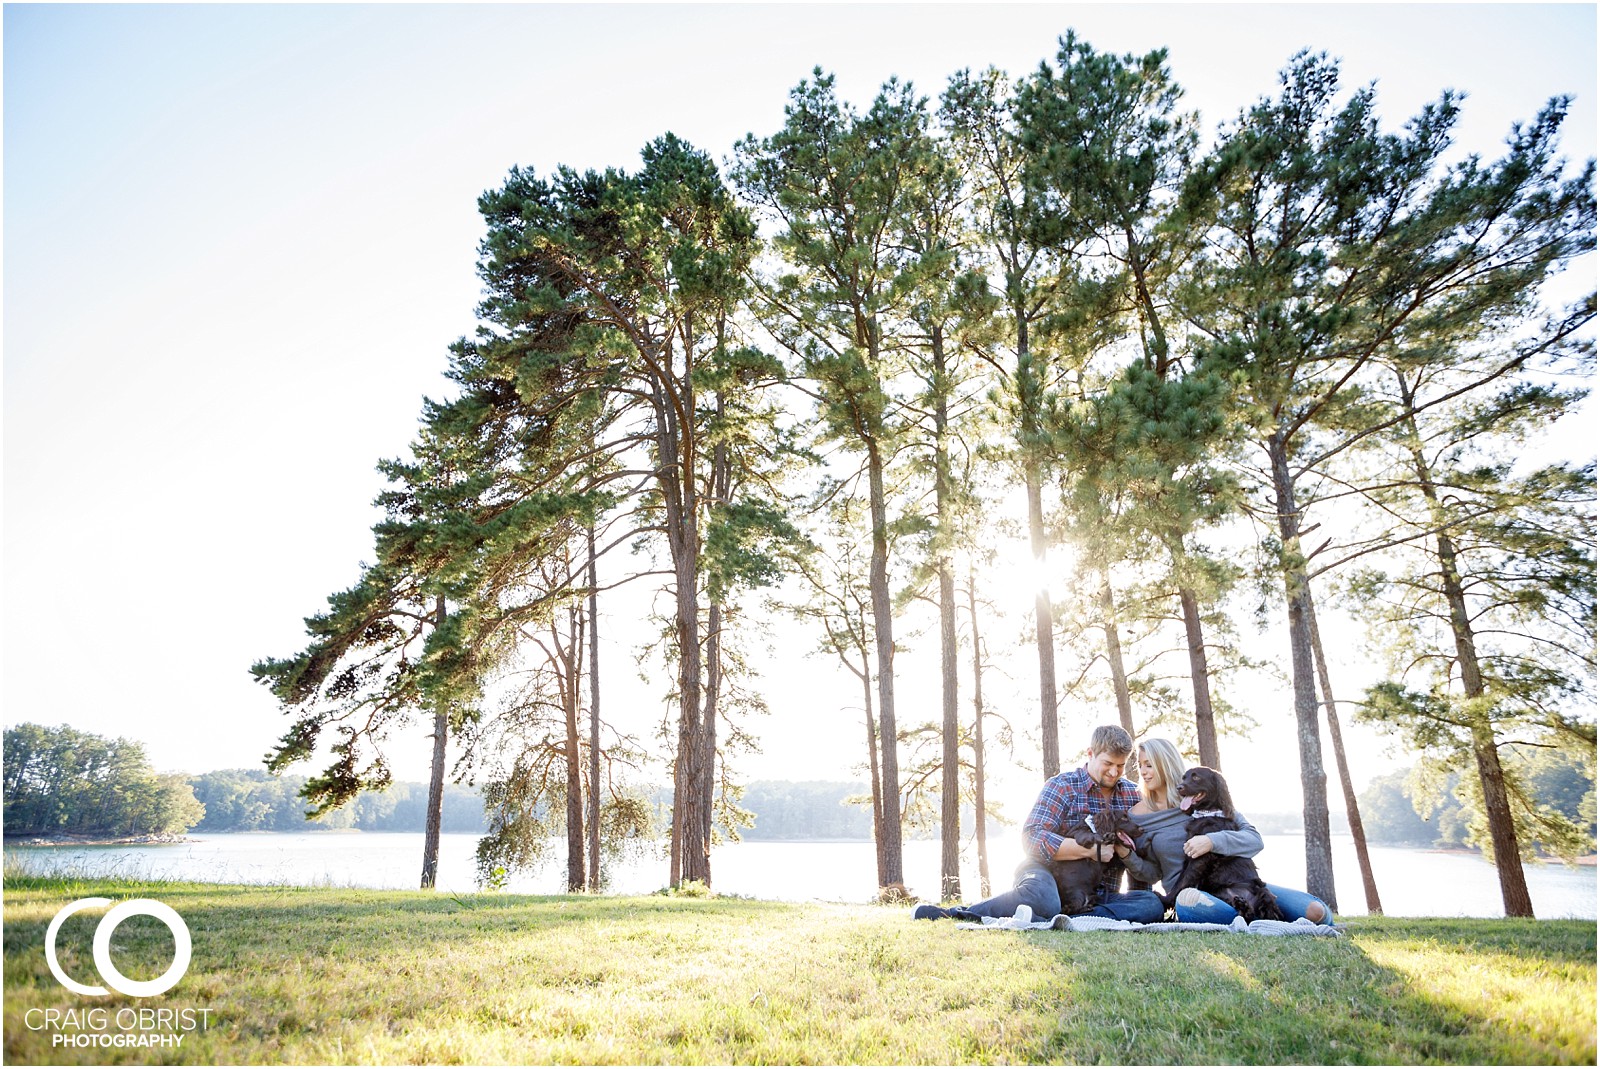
(1063, 802)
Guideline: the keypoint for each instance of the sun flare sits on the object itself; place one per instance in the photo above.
(1017, 574)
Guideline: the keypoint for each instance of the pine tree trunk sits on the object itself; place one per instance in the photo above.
(691, 847)
(1485, 749)
(1157, 347)
(877, 780)
(671, 484)
(950, 766)
(1205, 722)
(1119, 674)
(575, 838)
(1352, 807)
(1313, 780)
(680, 504)
(950, 787)
(713, 696)
(1502, 832)
(889, 846)
(694, 845)
(435, 815)
(594, 718)
(721, 488)
(1029, 400)
(1044, 627)
(675, 836)
(980, 831)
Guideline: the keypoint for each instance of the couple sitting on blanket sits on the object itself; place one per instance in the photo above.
(1158, 855)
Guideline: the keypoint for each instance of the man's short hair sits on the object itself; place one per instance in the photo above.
(1111, 739)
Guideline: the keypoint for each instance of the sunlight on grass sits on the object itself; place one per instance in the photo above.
(1230, 970)
(1530, 999)
(347, 976)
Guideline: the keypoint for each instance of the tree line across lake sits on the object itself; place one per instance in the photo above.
(63, 782)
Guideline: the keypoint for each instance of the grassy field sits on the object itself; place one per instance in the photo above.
(351, 976)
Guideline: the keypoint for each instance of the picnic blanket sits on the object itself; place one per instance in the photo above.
(1023, 918)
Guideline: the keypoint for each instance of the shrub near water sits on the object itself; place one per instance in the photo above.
(341, 976)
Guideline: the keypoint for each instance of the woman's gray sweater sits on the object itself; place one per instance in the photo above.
(1158, 853)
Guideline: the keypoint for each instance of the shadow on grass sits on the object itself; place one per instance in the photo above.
(1426, 991)
(1532, 939)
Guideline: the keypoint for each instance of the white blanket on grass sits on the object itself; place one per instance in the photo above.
(1061, 922)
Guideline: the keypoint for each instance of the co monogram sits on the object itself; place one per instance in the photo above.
(139, 907)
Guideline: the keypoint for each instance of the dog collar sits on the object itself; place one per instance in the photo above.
(1207, 813)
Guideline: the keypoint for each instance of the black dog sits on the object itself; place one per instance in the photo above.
(1234, 880)
(1079, 881)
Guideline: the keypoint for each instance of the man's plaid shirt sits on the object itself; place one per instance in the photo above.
(1065, 800)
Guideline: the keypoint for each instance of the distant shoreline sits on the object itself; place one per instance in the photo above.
(174, 840)
(96, 840)
(1538, 859)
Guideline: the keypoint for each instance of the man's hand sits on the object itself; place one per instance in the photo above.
(1070, 850)
(1198, 846)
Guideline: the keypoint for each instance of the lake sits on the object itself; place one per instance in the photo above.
(1411, 883)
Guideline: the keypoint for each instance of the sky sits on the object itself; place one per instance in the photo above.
(238, 240)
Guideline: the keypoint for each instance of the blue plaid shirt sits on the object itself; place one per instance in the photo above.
(1064, 800)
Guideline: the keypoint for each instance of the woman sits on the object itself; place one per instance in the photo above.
(1164, 844)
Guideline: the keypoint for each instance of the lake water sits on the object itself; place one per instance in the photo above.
(1411, 883)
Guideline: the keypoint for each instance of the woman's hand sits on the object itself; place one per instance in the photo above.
(1199, 846)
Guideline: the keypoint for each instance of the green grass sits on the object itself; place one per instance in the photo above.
(331, 975)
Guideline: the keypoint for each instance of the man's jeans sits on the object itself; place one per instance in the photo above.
(1036, 889)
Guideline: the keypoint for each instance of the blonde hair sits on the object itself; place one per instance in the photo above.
(1169, 761)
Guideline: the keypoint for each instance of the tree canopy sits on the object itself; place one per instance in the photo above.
(1292, 361)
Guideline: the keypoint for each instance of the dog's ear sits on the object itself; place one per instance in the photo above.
(1219, 796)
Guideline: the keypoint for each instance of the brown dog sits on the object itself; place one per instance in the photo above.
(1079, 881)
(1204, 795)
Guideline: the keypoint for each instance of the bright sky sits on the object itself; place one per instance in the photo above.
(238, 240)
